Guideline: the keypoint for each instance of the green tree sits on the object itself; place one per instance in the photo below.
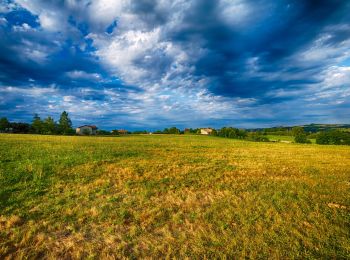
(174, 130)
(37, 124)
(257, 137)
(297, 130)
(333, 137)
(301, 138)
(4, 123)
(65, 124)
(49, 126)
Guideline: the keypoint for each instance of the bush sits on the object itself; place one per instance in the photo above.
(333, 137)
(257, 137)
(301, 138)
(231, 132)
(103, 132)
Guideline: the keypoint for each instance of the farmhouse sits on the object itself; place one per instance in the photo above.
(119, 132)
(122, 132)
(206, 131)
(86, 130)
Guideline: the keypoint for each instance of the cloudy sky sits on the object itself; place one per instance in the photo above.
(148, 64)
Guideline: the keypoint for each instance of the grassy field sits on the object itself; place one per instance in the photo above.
(281, 138)
(172, 196)
(286, 138)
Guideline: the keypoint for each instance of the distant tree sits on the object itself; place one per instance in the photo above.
(257, 137)
(322, 138)
(188, 131)
(192, 131)
(214, 132)
(65, 124)
(312, 135)
(49, 126)
(333, 137)
(4, 124)
(242, 133)
(103, 132)
(22, 128)
(231, 132)
(37, 124)
(115, 132)
(174, 130)
(171, 130)
(301, 138)
(139, 132)
(297, 130)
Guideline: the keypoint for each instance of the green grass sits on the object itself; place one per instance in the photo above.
(285, 138)
(172, 196)
(281, 138)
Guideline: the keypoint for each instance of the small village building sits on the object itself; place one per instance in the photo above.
(86, 130)
(206, 131)
(122, 131)
(119, 132)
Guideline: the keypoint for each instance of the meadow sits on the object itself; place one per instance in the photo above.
(172, 196)
(285, 138)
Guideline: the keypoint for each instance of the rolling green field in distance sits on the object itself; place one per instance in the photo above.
(285, 138)
(172, 196)
(281, 138)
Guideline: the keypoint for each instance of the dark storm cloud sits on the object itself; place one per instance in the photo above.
(150, 12)
(29, 54)
(294, 25)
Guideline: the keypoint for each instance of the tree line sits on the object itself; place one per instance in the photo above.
(39, 126)
(332, 136)
(64, 127)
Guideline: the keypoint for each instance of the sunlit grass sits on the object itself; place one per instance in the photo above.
(285, 138)
(175, 196)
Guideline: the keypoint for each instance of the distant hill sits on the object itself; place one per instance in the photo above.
(325, 127)
(313, 128)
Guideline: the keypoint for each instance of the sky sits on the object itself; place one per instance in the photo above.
(150, 64)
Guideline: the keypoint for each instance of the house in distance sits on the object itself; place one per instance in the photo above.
(119, 132)
(206, 131)
(86, 130)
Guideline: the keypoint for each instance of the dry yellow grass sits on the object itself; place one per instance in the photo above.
(172, 196)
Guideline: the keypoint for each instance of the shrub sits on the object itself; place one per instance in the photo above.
(333, 137)
(231, 132)
(301, 138)
(257, 137)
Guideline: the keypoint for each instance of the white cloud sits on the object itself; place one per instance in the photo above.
(3, 21)
(32, 91)
(103, 12)
(121, 52)
(22, 28)
(68, 98)
(51, 17)
(336, 76)
(33, 51)
(79, 74)
(235, 12)
(50, 21)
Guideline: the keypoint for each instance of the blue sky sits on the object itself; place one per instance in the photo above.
(147, 64)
